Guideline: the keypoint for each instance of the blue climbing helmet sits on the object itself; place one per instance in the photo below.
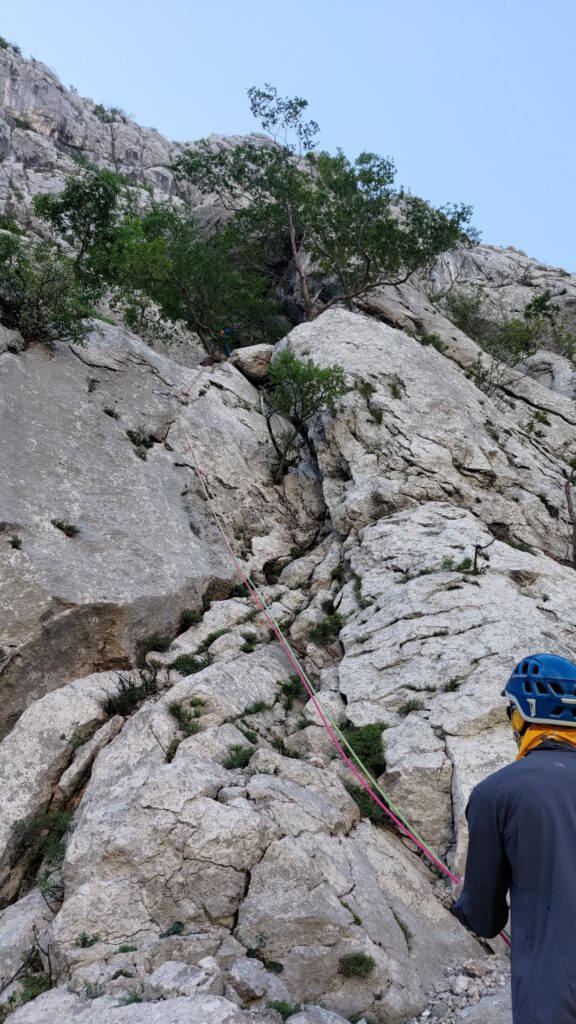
(543, 688)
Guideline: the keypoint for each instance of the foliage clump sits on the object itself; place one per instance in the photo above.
(366, 741)
(238, 757)
(327, 630)
(409, 706)
(129, 693)
(284, 1008)
(42, 835)
(68, 529)
(186, 717)
(356, 965)
(359, 229)
(298, 391)
(40, 295)
(188, 665)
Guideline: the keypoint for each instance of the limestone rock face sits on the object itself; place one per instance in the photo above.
(218, 858)
(146, 544)
(61, 1007)
(414, 429)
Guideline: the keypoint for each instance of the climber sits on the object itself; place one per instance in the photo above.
(225, 337)
(522, 828)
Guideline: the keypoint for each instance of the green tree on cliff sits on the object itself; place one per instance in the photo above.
(346, 228)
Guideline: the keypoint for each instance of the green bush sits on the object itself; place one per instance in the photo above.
(84, 940)
(434, 340)
(175, 929)
(185, 717)
(16, 542)
(129, 694)
(107, 114)
(189, 617)
(153, 642)
(40, 295)
(368, 807)
(238, 757)
(283, 1008)
(356, 965)
(257, 707)
(34, 985)
(250, 641)
(452, 685)
(188, 665)
(298, 391)
(126, 949)
(42, 835)
(408, 706)
(93, 990)
(366, 741)
(9, 223)
(211, 638)
(327, 630)
(66, 528)
(134, 996)
(290, 691)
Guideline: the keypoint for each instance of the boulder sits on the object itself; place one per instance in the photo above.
(253, 361)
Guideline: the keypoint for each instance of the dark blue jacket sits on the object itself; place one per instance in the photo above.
(522, 824)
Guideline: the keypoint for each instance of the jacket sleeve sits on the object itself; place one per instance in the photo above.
(482, 904)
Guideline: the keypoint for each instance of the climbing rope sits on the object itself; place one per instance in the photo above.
(358, 769)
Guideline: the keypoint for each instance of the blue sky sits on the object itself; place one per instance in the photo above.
(473, 100)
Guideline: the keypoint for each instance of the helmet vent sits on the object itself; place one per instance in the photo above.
(556, 688)
(525, 668)
(528, 687)
(557, 710)
(535, 670)
(541, 688)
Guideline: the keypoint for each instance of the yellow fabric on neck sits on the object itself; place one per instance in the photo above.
(536, 734)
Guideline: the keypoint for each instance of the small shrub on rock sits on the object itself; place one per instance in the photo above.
(189, 617)
(34, 985)
(250, 641)
(356, 965)
(43, 835)
(291, 691)
(186, 718)
(283, 1008)
(68, 529)
(327, 630)
(84, 940)
(153, 642)
(257, 707)
(366, 742)
(368, 808)
(408, 706)
(238, 757)
(129, 694)
(188, 665)
(176, 928)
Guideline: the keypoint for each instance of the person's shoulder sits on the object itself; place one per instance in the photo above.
(496, 782)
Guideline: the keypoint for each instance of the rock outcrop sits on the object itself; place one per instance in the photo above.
(179, 839)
